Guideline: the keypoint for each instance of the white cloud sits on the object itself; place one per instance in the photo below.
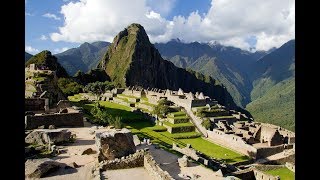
(43, 37)
(163, 7)
(31, 50)
(52, 16)
(59, 50)
(230, 22)
(28, 14)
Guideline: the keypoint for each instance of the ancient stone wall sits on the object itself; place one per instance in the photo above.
(290, 166)
(154, 169)
(34, 104)
(187, 151)
(232, 141)
(130, 161)
(59, 120)
(268, 151)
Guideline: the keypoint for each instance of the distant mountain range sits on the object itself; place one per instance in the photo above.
(27, 56)
(84, 57)
(262, 82)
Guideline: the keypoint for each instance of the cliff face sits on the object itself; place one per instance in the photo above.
(131, 60)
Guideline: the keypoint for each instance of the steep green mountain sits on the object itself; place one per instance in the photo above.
(27, 56)
(273, 92)
(132, 60)
(277, 105)
(273, 68)
(84, 57)
(47, 59)
(228, 65)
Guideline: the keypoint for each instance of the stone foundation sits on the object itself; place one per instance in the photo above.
(59, 120)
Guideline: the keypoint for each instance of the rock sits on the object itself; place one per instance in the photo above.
(52, 127)
(219, 173)
(94, 127)
(41, 127)
(136, 140)
(37, 168)
(88, 151)
(44, 136)
(40, 148)
(114, 144)
(183, 162)
(64, 110)
(73, 165)
(91, 131)
(29, 151)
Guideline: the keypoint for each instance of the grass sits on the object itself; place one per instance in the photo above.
(214, 150)
(177, 114)
(113, 108)
(284, 173)
(178, 125)
(145, 129)
(147, 103)
(128, 96)
(184, 135)
(180, 117)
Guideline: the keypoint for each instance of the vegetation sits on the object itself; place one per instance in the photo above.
(92, 76)
(45, 58)
(284, 173)
(162, 108)
(69, 87)
(99, 87)
(215, 151)
(277, 106)
(206, 123)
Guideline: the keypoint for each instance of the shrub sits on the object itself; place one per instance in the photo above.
(69, 87)
(117, 122)
(206, 123)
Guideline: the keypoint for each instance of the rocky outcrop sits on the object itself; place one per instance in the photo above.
(114, 144)
(37, 168)
(46, 136)
(131, 60)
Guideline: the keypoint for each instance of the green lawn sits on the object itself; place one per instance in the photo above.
(118, 110)
(180, 117)
(145, 129)
(178, 125)
(147, 103)
(165, 139)
(214, 150)
(179, 113)
(284, 173)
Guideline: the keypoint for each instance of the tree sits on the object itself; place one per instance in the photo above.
(69, 87)
(162, 108)
(98, 88)
(206, 123)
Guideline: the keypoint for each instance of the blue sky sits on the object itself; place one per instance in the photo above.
(57, 25)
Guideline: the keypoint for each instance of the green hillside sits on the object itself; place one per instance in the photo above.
(277, 105)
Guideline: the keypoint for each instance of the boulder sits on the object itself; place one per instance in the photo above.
(136, 140)
(88, 151)
(44, 136)
(37, 168)
(114, 144)
(183, 162)
(52, 127)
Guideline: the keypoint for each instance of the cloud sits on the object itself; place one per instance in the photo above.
(28, 14)
(59, 50)
(229, 22)
(163, 7)
(43, 37)
(51, 16)
(31, 50)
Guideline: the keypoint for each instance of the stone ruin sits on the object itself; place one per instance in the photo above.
(114, 144)
(60, 115)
